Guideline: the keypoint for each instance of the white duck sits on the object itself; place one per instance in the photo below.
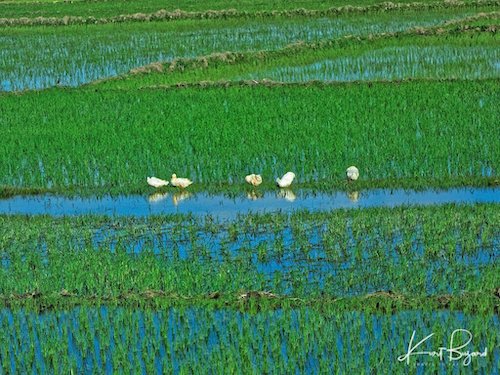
(180, 182)
(286, 180)
(156, 182)
(254, 179)
(352, 173)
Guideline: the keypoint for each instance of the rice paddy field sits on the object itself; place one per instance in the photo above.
(396, 272)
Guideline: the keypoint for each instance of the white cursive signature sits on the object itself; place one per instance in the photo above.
(455, 353)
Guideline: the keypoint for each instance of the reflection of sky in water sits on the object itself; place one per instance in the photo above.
(229, 207)
(38, 61)
(107, 338)
(395, 63)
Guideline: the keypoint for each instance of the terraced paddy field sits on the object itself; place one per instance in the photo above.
(101, 273)
(75, 54)
(452, 53)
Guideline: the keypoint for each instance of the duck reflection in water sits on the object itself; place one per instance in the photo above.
(180, 196)
(254, 195)
(157, 197)
(353, 196)
(286, 194)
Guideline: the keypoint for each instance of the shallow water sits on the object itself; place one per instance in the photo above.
(223, 206)
(116, 340)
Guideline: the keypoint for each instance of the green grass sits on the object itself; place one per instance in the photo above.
(435, 133)
(413, 252)
(38, 57)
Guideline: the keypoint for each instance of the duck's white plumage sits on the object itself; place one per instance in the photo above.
(180, 182)
(156, 182)
(352, 173)
(254, 179)
(286, 180)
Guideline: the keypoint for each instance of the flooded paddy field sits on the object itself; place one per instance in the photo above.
(419, 251)
(100, 272)
(198, 339)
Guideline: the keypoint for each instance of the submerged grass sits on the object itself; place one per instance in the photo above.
(202, 339)
(437, 133)
(412, 252)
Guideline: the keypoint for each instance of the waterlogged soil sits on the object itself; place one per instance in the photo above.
(225, 206)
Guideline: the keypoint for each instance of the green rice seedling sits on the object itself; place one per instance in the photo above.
(426, 133)
(286, 339)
